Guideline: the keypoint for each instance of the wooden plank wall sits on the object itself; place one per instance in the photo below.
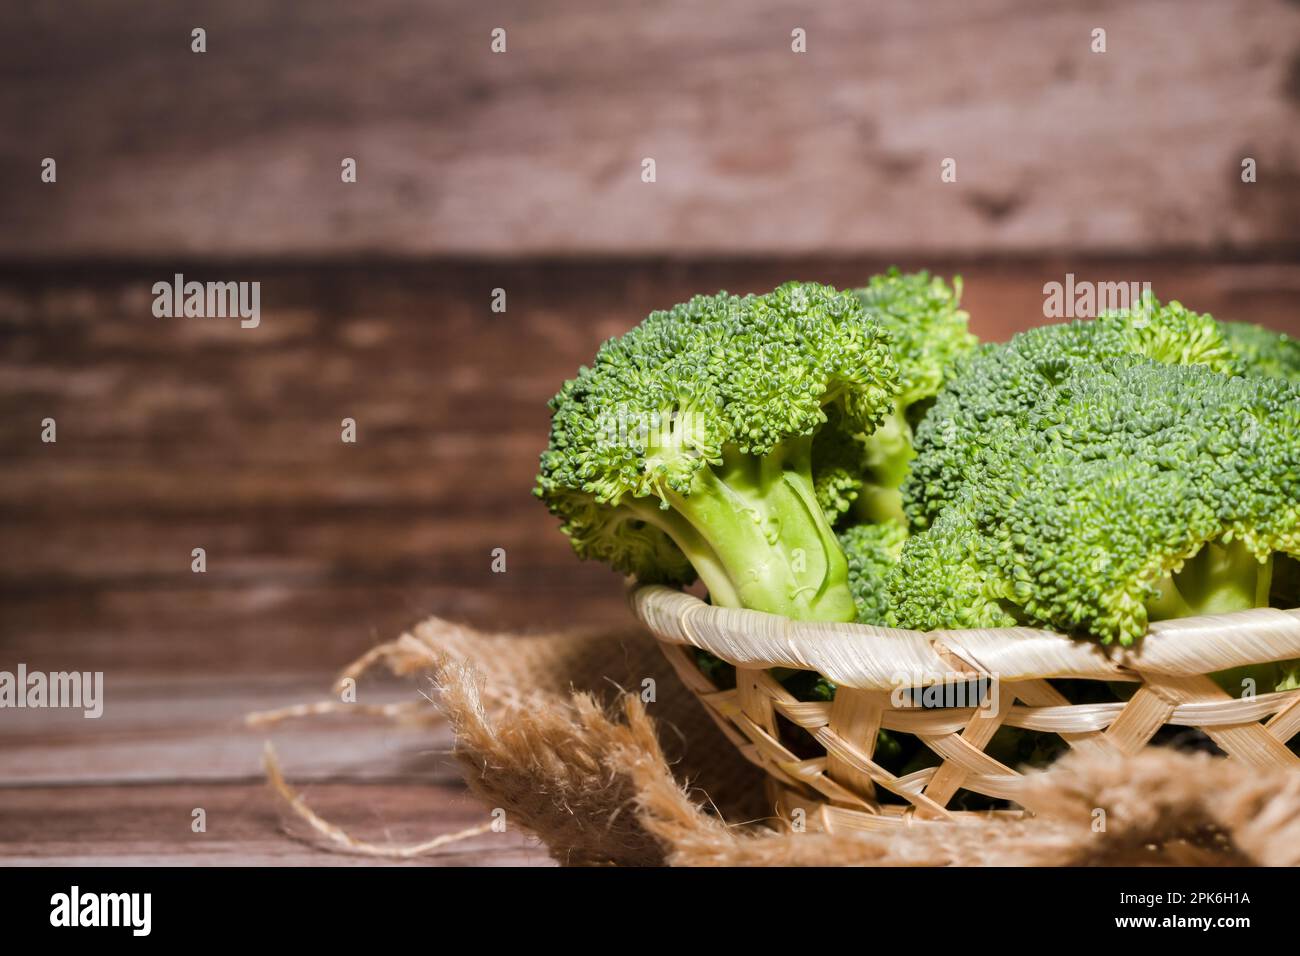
(182, 433)
(538, 151)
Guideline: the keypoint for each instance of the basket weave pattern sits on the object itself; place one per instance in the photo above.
(837, 789)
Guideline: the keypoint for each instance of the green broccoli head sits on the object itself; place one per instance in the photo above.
(687, 446)
(1132, 491)
(872, 551)
(839, 466)
(941, 579)
(927, 328)
(1261, 351)
(998, 385)
(927, 334)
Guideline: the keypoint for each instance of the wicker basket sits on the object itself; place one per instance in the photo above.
(836, 789)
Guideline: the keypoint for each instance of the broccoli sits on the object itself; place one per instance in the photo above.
(1261, 351)
(872, 551)
(687, 446)
(839, 469)
(940, 582)
(1131, 491)
(995, 387)
(927, 334)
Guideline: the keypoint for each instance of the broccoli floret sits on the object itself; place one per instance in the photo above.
(1261, 351)
(940, 580)
(839, 469)
(686, 447)
(927, 334)
(1132, 491)
(872, 551)
(997, 386)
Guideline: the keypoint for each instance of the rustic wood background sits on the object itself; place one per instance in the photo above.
(480, 172)
(538, 151)
(176, 434)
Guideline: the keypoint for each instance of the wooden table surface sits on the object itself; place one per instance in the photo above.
(124, 788)
(182, 433)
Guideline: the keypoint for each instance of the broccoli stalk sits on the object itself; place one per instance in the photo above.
(887, 461)
(687, 448)
(927, 335)
(1220, 578)
(752, 529)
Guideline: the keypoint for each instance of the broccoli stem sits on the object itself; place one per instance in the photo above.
(698, 551)
(1221, 578)
(889, 458)
(758, 538)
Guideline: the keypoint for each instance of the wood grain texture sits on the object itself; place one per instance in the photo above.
(121, 789)
(187, 728)
(182, 433)
(149, 825)
(538, 151)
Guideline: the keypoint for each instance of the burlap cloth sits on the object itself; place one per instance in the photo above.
(554, 730)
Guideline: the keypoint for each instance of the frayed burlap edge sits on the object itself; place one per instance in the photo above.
(602, 775)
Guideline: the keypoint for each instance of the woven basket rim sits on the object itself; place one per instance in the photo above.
(880, 658)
